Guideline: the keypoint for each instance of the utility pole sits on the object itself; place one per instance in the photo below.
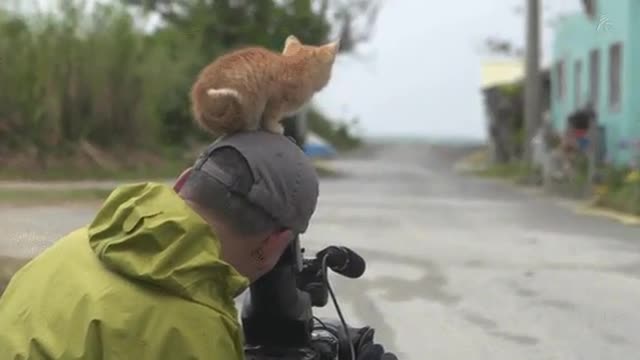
(532, 92)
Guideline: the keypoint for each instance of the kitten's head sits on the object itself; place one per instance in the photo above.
(321, 58)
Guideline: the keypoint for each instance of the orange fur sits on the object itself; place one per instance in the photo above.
(254, 87)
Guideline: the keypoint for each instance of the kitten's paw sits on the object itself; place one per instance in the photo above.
(275, 128)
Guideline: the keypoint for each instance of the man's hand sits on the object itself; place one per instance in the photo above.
(366, 349)
(374, 352)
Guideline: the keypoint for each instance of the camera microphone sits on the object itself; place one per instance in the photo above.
(343, 261)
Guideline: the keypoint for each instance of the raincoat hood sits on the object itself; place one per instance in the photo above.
(147, 233)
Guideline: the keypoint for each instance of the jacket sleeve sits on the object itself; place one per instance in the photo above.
(203, 338)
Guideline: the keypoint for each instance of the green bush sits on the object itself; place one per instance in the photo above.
(80, 75)
(620, 191)
(86, 76)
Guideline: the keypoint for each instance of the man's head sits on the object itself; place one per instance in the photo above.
(257, 190)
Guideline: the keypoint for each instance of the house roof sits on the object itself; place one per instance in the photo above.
(500, 72)
(505, 73)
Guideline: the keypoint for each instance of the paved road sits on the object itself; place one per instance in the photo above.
(458, 268)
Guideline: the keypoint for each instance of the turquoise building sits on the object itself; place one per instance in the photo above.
(596, 60)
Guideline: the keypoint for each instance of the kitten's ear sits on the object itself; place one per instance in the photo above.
(330, 51)
(291, 43)
(334, 47)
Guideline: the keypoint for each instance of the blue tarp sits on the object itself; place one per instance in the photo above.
(315, 146)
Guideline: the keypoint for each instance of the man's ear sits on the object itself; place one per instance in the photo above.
(275, 244)
(182, 179)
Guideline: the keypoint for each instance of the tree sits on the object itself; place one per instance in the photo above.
(496, 45)
(215, 26)
(500, 46)
(223, 24)
(353, 19)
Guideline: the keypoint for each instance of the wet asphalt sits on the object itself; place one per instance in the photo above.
(457, 267)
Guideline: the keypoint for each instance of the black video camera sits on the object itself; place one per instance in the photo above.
(277, 316)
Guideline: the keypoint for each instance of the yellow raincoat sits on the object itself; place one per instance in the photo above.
(143, 281)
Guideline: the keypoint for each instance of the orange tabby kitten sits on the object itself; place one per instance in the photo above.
(255, 88)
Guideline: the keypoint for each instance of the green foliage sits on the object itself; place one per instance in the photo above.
(620, 190)
(511, 117)
(512, 90)
(86, 76)
(228, 23)
(626, 199)
(614, 177)
(79, 74)
(338, 133)
(515, 171)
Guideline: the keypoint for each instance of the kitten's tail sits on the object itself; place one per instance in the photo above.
(219, 111)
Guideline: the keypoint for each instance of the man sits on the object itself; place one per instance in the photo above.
(155, 274)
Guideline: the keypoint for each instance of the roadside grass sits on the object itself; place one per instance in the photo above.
(72, 171)
(625, 198)
(620, 192)
(515, 172)
(509, 171)
(8, 267)
(51, 196)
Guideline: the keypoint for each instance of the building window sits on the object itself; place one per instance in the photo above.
(577, 79)
(615, 76)
(560, 81)
(589, 7)
(594, 78)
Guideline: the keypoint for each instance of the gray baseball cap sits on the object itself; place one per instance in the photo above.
(285, 182)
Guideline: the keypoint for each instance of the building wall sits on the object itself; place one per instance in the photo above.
(576, 36)
(633, 123)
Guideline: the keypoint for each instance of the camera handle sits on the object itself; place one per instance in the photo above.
(274, 301)
(277, 317)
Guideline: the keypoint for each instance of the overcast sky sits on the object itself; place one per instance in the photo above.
(420, 73)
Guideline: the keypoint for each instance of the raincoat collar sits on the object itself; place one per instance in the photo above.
(146, 232)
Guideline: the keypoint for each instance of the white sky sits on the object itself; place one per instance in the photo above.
(424, 72)
(420, 74)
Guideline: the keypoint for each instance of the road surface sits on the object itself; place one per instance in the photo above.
(458, 268)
